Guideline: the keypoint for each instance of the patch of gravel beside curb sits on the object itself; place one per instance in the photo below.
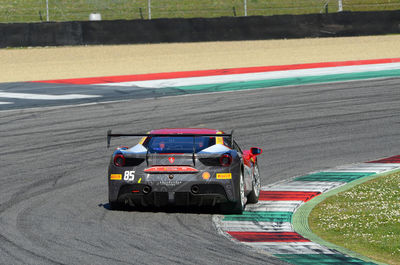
(89, 61)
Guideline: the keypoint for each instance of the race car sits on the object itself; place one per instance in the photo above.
(183, 167)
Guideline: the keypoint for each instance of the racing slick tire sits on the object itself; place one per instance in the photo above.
(236, 207)
(255, 192)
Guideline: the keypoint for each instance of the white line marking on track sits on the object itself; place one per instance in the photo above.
(44, 96)
(319, 186)
(273, 206)
(365, 167)
(292, 247)
(4, 103)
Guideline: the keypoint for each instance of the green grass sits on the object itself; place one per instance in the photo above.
(67, 10)
(364, 219)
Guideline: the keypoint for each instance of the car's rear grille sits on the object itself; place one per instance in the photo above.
(133, 162)
(208, 194)
(210, 161)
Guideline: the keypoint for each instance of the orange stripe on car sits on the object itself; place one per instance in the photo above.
(116, 176)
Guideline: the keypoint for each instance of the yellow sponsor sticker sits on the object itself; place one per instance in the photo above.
(219, 140)
(116, 176)
(224, 175)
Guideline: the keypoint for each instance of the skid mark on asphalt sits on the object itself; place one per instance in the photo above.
(267, 225)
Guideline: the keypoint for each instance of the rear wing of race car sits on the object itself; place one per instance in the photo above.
(111, 135)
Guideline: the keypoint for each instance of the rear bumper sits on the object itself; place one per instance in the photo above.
(222, 185)
(188, 193)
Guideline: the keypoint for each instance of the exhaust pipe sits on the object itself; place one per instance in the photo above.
(195, 189)
(146, 189)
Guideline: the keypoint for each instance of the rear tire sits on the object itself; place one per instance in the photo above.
(236, 207)
(255, 191)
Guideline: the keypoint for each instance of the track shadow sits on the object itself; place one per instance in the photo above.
(167, 209)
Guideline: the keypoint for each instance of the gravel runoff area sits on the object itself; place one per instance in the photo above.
(30, 64)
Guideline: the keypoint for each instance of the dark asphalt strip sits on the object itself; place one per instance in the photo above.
(103, 93)
(53, 180)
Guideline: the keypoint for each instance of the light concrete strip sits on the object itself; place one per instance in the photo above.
(351, 170)
(191, 81)
(365, 167)
(4, 102)
(274, 206)
(318, 186)
(292, 248)
(248, 226)
(44, 96)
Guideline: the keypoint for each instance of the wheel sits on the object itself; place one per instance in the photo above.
(236, 207)
(255, 191)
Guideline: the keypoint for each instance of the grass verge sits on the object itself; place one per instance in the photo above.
(364, 219)
(67, 10)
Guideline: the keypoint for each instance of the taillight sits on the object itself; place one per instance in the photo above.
(225, 160)
(119, 160)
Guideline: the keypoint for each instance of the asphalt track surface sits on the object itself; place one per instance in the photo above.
(53, 191)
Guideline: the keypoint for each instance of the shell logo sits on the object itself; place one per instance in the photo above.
(205, 175)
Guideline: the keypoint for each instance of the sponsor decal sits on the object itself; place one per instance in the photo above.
(140, 180)
(171, 183)
(129, 175)
(142, 140)
(219, 140)
(115, 176)
(224, 175)
(205, 175)
(171, 159)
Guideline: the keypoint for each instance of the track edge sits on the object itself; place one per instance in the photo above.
(300, 216)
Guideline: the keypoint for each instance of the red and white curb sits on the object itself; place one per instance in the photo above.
(267, 226)
(234, 75)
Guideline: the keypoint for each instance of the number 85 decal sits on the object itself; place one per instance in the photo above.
(129, 175)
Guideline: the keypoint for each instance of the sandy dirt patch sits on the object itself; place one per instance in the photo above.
(91, 61)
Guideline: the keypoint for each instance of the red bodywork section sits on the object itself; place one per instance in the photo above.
(247, 158)
(163, 169)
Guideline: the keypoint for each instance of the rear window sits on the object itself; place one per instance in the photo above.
(178, 144)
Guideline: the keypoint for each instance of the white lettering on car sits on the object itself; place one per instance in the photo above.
(129, 175)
